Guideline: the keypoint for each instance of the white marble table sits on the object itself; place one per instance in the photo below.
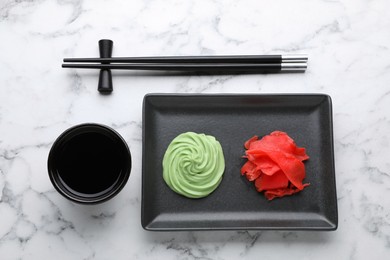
(348, 44)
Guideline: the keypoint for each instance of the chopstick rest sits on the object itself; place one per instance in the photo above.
(105, 76)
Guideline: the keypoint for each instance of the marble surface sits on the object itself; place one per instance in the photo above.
(348, 44)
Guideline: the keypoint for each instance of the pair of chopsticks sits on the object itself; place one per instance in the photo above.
(237, 63)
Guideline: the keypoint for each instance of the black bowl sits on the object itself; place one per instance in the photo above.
(89, 163)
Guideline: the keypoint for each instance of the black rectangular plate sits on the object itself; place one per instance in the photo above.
(233, 119)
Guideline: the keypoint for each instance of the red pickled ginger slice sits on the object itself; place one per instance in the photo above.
(276, 181)
(275, 163)
(278, 193)
(250, 171)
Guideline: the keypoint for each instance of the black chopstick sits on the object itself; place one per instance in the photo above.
(217, 67)
(289, 58)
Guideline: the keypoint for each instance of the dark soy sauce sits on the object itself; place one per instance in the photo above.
(90, 163)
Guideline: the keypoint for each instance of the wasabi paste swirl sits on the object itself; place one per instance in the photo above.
(193, 165)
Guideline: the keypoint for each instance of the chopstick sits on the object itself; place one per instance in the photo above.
(289, 58)
(215, 67)
(214, 64)
(234, 63)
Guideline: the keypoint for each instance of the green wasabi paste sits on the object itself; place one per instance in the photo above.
(193, 165)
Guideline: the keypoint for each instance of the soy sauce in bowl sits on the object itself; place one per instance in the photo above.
(89, 163)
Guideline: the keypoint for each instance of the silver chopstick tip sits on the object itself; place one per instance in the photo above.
(297, 66)
(294, 57)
